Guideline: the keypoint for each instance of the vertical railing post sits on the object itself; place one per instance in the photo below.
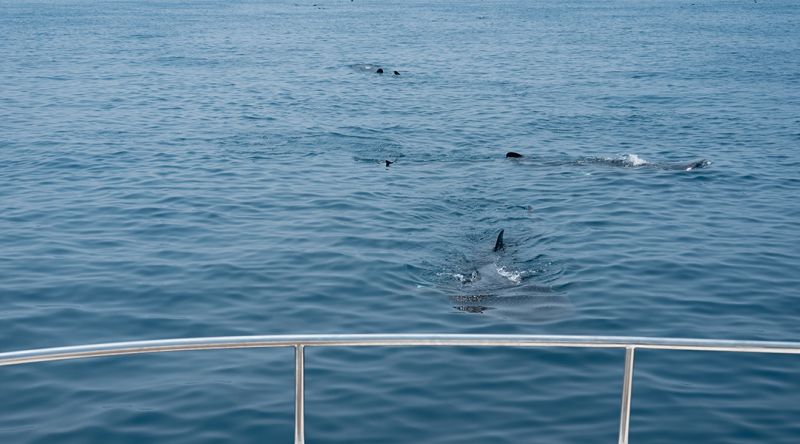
(627, 386)
(299, 394)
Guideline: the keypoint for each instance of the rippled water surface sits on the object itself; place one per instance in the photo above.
(201, 168)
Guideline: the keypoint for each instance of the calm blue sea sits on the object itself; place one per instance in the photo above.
(173, 168)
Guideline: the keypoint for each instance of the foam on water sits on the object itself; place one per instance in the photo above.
(513, 276)
(634, 160)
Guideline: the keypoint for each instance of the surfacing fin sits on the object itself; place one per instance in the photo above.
(498, 245)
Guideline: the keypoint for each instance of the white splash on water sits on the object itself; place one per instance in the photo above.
(513, 276)
(634, 160)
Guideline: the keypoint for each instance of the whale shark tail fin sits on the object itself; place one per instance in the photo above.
(498, 245)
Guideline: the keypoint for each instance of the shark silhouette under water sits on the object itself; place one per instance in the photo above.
(625, 161)
(491, 288)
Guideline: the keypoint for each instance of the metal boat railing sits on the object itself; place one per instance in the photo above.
(300, 342)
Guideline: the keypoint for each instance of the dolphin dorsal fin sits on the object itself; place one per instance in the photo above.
(498, 245)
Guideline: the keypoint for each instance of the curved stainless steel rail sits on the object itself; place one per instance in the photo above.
(300, 342)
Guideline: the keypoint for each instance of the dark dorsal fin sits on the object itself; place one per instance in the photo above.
(498, 245)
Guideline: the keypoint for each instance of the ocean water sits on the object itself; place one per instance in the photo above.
(201, 168)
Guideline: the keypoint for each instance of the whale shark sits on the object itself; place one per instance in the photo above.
(634, 161)
(491, 288)
(372, 68)
(626, 161)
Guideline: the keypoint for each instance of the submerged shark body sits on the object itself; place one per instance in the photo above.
(492, 288)
(626, 161)
(633, 161)
(688, 166)
(372, 68)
